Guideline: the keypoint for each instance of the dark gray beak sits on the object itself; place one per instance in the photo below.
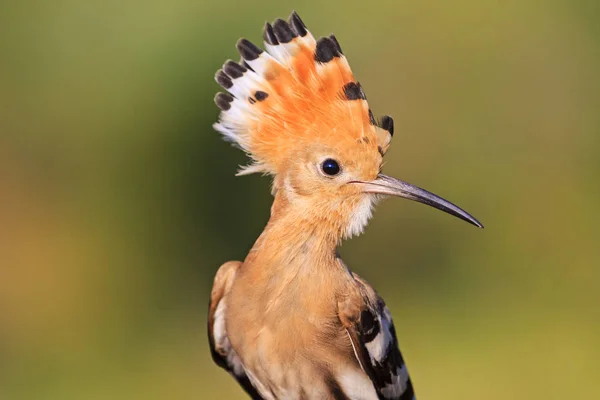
(387, 185)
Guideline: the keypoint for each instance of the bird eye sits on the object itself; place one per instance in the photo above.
(330, 167)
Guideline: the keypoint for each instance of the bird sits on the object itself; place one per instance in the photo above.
(292, 321)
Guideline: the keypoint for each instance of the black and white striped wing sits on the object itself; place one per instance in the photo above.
(376, 348)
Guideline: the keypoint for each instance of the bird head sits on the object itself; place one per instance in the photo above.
(300, 115)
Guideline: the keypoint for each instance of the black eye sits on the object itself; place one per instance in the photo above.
(330, 167)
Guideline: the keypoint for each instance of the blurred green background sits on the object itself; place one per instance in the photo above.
(118, 201)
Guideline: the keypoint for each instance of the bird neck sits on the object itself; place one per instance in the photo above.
(296, 235)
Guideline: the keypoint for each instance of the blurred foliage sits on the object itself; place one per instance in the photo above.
(118, 201)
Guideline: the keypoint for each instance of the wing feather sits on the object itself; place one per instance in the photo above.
(375, 345)
(220, 347)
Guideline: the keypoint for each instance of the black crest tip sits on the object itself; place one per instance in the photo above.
(337, 44)
(244, 64)
(234, 70)
(353, 91)
(283, 32)
(269, 35)
(372, 118)
(297, 24)
(387, 123)
(223, 101)
(260, 95)
(248, 50)
(223, 80)
(326, 50)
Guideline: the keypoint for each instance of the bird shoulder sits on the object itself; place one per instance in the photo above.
(371, 331)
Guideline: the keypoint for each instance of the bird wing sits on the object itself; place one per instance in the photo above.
(373, 336)
(220, 347)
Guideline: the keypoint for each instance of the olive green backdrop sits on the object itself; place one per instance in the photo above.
(118, 201)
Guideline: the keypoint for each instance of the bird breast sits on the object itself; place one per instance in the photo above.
(286, 330)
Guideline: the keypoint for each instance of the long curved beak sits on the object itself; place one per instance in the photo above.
(387, 185)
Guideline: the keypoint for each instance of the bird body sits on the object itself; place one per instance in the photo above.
(292, 321)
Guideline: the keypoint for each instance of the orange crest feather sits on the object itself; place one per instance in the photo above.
(297, 92)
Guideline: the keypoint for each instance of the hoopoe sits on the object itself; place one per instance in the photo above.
(292, 321)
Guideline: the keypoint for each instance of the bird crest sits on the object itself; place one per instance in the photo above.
(298, 92)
